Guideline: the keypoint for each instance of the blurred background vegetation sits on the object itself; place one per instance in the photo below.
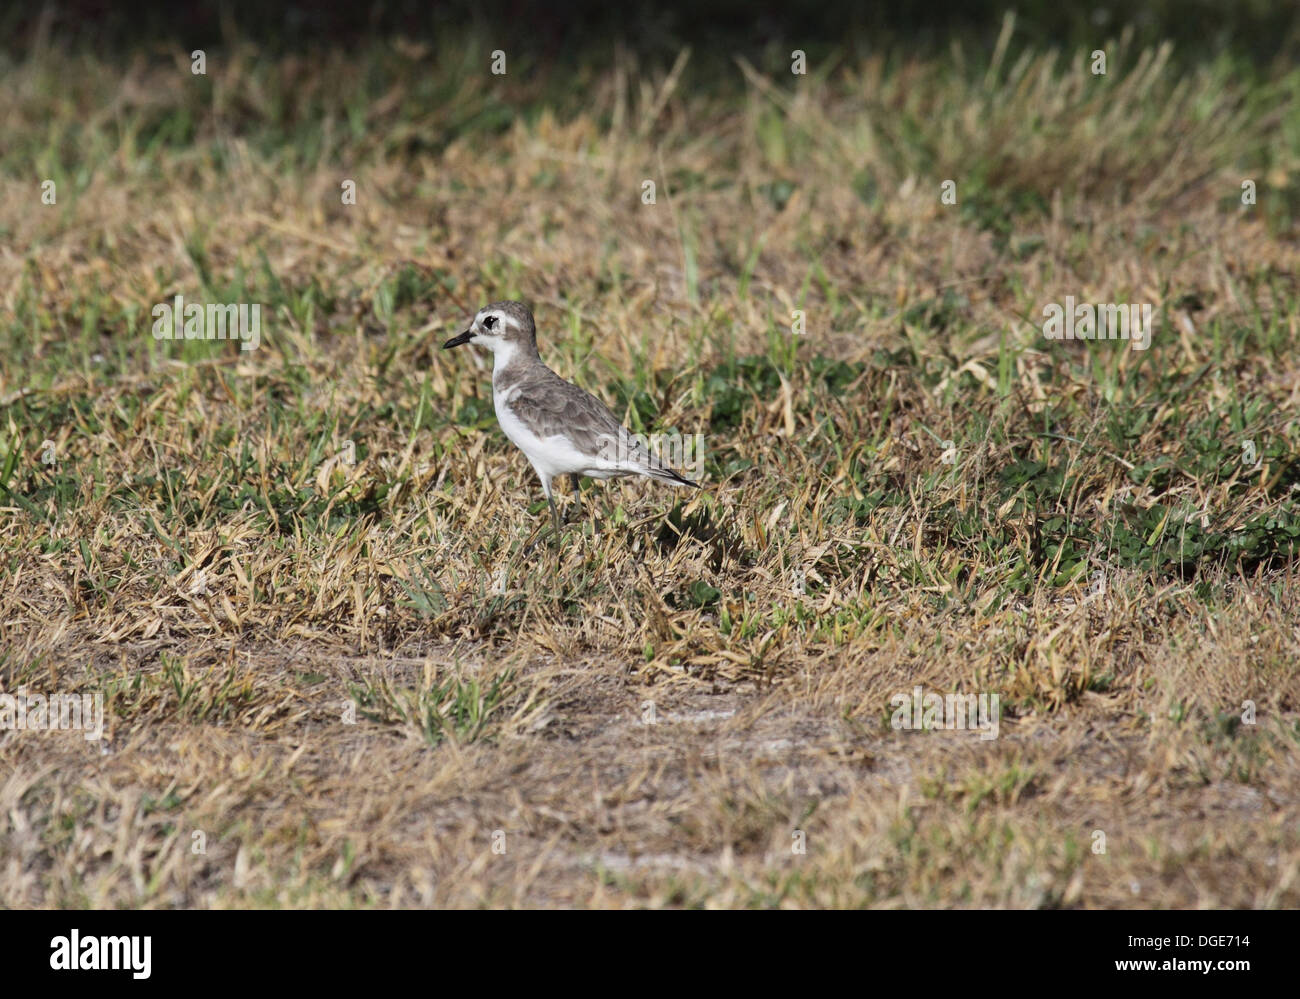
(1255, 34)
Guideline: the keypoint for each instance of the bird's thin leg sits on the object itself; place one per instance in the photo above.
(576, 480)
(550, 501)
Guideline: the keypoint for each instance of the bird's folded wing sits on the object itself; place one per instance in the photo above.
(552, 407)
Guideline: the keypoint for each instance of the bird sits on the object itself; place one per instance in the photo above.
(560, 428)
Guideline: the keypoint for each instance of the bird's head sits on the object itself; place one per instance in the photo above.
(499, 326)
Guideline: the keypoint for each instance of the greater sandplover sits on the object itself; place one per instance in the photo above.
(561, 429)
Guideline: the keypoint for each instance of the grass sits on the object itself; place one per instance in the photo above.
(300, 576)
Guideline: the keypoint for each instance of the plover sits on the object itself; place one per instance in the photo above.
(561, 429)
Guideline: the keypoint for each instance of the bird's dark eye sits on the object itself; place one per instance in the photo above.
(490, 323)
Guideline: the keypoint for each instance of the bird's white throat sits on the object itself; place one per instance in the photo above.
(504, 353)
(511, 356)
(502, 357)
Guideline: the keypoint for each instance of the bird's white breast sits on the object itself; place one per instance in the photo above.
(551, 456)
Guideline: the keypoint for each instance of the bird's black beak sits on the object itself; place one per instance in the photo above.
(458, 339)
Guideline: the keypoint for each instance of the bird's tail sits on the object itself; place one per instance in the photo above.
(663, 473)
(638, 459)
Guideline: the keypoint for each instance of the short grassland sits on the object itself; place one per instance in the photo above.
(335, 670)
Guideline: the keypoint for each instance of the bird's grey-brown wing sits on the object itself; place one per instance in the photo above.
(550, 406)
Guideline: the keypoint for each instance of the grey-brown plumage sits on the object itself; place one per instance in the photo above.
(562, 429)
